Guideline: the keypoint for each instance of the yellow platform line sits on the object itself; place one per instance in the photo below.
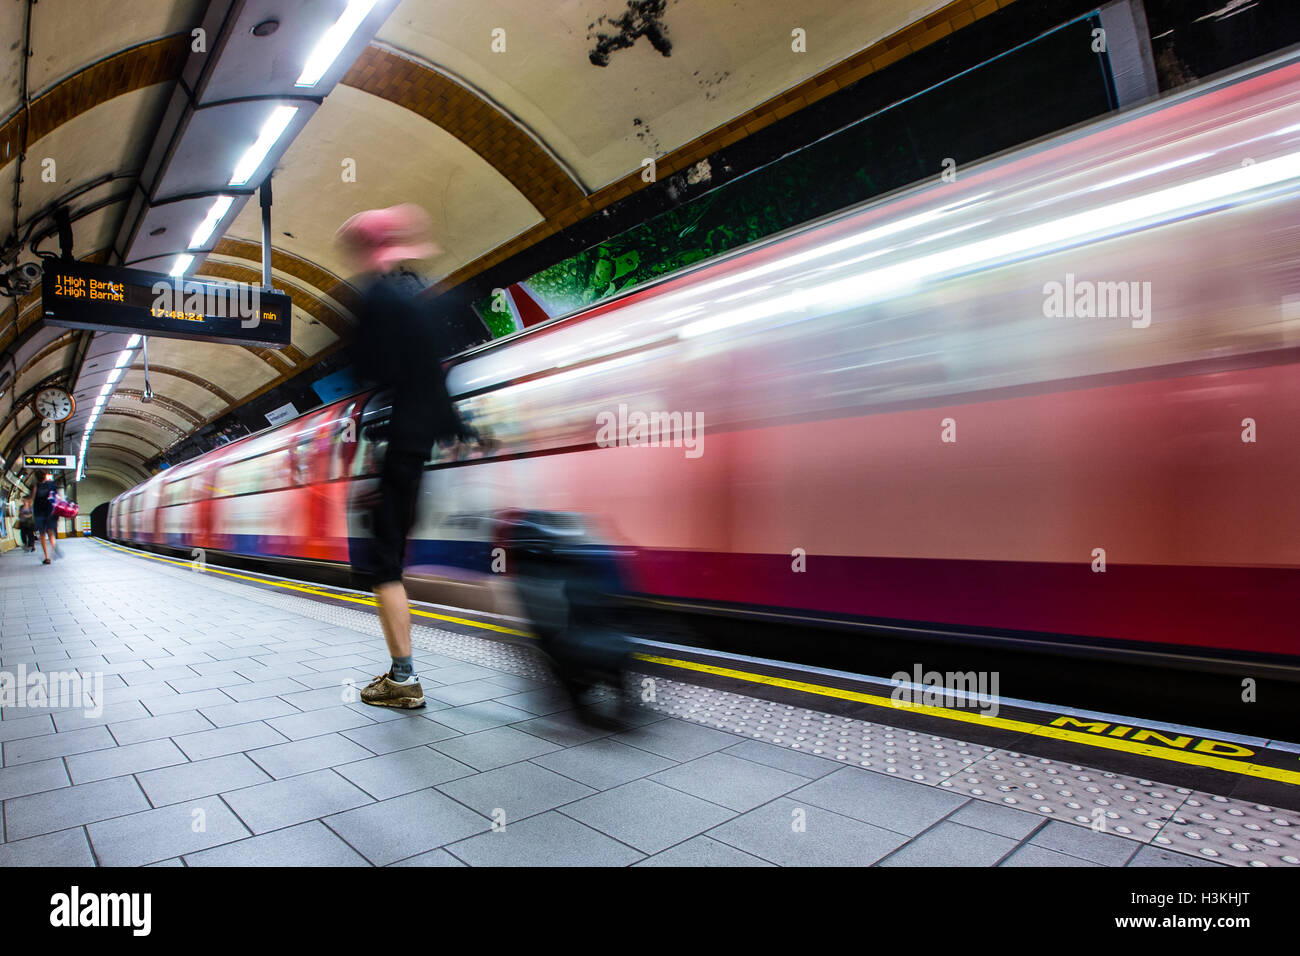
(307, 589)
(1208, 761)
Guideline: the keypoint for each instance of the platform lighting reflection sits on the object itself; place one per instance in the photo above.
(1151, 171)
(248, 163)
(331, 44)
(1187, 199)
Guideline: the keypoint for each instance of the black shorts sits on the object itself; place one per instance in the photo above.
(46, 524)
(392, 513)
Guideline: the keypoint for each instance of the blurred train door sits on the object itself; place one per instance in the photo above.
(206, 533)
(318, 468)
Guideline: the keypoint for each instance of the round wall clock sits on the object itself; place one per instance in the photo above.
(55, 404)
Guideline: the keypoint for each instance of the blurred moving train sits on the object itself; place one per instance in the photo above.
(1056, 399)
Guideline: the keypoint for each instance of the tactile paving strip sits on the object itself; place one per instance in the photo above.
(925, 758)
(1255, 835)
(1107, 802)
(1133, 808)
(1207, 826)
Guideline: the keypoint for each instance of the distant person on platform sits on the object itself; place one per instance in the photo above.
(27, 525)
(43, 515)
(398, 348)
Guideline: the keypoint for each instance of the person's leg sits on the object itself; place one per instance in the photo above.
(390, 523)
(44, 535)
(395, 618)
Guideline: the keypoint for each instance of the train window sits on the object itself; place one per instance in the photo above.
(373, 437)
(374, 442)
(300, 459)
(241, 478)
(174, 493)
(276, 470)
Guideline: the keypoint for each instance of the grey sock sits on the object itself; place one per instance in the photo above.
(402, 668)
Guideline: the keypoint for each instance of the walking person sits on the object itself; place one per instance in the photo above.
(27, 525)
(398, 348)
(43, 516)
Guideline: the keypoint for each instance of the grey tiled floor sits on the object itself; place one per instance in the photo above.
(230, 736)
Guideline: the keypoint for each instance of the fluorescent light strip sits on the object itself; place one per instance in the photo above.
(219, 208)
(329, 46)
(133, 341)
(275, 125)
(182, 263)
(108, 387)
(114, 375)
(124, 358)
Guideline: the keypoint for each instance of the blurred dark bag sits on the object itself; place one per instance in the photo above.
(568, 586)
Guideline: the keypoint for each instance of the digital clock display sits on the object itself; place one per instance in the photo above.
(79, 295)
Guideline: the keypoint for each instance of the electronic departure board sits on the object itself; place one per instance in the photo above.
(80, 295)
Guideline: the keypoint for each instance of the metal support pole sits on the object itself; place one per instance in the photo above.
(264, 197)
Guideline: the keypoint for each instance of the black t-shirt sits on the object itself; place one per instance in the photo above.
(398, 347)
(41, 504)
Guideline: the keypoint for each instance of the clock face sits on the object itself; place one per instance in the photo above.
(55, 404)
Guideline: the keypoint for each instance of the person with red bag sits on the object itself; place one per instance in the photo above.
(43, 515)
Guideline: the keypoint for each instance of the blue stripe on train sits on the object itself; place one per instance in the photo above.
(470, 556)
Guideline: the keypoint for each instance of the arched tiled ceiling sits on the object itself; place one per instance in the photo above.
(474, 208)
(161, 403)
(110, 137)
(68, 35)
(601, 121)
(121, 436)
(131, 67)
(732, 71)
(155, 369)
(149, 423)
(473, 119)
(120, 475)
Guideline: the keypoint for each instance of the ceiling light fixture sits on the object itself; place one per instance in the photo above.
(182, 263)
(332, 43)
(275, 125)
(214, 216)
